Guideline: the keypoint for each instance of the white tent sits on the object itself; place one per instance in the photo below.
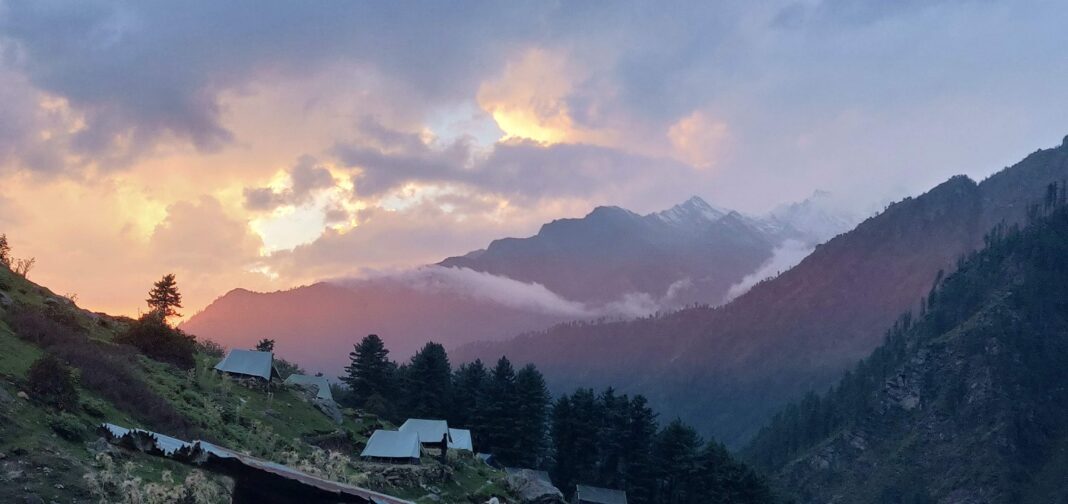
(429, 431)
(248, 363)
(460, 439)
(392, 446)
(318, 381)
(585, 494)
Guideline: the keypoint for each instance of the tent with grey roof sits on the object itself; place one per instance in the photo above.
(460, 439)
(585, 494)
(323, 386)
(248, 363)
(394, 447)
(430, 432)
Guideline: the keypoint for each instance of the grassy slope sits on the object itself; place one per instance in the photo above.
(224, 412)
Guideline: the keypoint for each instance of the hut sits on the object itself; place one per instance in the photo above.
(460, 439)
(585, 494)
(431, 432)
(393, 447)
(248, 364)
(319, 382)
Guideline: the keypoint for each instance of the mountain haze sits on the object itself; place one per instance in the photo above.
(610, 264)
(728, 369)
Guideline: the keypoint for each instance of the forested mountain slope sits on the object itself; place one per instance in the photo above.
(964, 403)
(726, 370)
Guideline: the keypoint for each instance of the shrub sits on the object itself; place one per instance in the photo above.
(94, 407)
(211, 348)
(52, 383)
(157, 340)
(67, 426)
(104, 368)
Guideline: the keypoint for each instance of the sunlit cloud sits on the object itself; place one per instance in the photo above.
(528, 99)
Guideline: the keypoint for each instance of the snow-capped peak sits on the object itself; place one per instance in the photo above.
(690, 212)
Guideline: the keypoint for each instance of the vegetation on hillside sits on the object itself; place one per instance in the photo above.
(971, 391)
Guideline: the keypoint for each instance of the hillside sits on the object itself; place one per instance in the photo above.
(610, 264)
(52, 454)
(964, 403)
(728, 369)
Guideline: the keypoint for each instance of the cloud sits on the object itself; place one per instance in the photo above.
(198, 236)
(305, 178)
(784, 257)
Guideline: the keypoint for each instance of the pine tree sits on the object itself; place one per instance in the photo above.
(468, 385)
(5, 252)
(637, 448)
(498, 412)
(675, 455)
(532, 416)
(265, 345)
(369, 372)
(164, 297)
(427, 383)
(576, 437)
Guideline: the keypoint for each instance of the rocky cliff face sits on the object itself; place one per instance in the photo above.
(967, 405)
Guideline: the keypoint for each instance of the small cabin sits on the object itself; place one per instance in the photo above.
(248, 364)
(430, 432)
(460, 439)
(392, 447)
(585, 494)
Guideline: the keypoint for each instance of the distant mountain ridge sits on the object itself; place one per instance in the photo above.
(611, 263)
(963, 402)
(728, 369)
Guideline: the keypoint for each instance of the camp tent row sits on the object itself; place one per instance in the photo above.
(405, 444)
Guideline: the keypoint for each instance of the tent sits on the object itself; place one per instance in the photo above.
(429, 431)
(319, 382)
(460, 439)
(393, 447)
(593, 495)
(248, 363)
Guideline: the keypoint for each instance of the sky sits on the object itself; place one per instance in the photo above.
(265, 145)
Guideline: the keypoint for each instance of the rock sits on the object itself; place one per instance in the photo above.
(531, 489)
(102, 446)
(330, 409)
(23, 395)
(5, 300)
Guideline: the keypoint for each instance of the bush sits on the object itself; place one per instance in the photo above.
(52, 383)
(67, 426)
(94, 407)
(211, 348)
(105, 370)
(157, 340)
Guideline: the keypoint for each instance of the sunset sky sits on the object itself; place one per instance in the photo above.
(269, 144)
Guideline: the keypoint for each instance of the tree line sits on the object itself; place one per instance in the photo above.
(604, 439)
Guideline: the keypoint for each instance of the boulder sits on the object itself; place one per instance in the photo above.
(329, 408)
(533, 490)
(5, 300)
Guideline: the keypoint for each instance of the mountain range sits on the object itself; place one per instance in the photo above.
(728, 369)
(611, 264)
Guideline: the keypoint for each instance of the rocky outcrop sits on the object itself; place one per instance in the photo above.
(532, 489)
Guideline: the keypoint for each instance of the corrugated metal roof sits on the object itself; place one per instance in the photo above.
(392, 444)
(200, 452)
(318, 381)
(248, 362)
(429, 431)
(460, 439)
(596, 495)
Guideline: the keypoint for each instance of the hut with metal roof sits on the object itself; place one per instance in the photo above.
(255, 480)
(393, 447)
(431, 432)
(460, 439)
(585, 494)
(248, 363)
(319, 382)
